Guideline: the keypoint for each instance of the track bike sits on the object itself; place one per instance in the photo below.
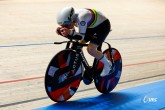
(69, 67)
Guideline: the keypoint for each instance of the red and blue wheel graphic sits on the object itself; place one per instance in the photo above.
(61, 81)
(109, 82)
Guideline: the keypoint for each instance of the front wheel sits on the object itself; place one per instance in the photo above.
(61, 81)
(109, 82)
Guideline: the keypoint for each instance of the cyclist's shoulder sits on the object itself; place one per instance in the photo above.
(88, 12)
(81, 12)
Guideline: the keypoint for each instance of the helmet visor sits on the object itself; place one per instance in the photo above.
(66, 23)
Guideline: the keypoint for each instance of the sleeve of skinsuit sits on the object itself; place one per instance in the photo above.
(82, 19)
(75, 35)
(82, 24)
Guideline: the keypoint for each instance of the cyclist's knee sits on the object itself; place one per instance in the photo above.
(91, 50)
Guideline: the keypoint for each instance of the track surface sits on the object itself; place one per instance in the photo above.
(26, 46)
(143, 97)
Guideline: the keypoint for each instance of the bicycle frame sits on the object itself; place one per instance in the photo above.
(77, 47)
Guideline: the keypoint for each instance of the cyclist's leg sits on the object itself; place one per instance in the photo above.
(88, 36)
(83, 41)
(101, 33)
(88, 75)
(92, 50)
(92, 47)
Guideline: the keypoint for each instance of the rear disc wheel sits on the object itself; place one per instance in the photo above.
(109, 82)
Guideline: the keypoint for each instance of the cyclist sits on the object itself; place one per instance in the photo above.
(92, 25)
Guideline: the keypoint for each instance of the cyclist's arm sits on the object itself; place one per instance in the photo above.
(82, 30)
(75, 35)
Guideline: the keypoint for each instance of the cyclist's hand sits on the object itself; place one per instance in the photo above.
(58, 31)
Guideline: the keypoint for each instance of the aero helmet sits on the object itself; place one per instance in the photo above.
(66, 16)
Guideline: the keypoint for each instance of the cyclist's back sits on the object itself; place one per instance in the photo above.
(92, 17)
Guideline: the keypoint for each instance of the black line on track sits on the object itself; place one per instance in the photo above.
(42, 98)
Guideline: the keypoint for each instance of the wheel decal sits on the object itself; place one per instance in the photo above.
(108, 83)
(65, 92)
(52, 70)
(60, 81)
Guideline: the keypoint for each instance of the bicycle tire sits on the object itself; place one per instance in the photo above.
(108, 83)
(61, 82)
